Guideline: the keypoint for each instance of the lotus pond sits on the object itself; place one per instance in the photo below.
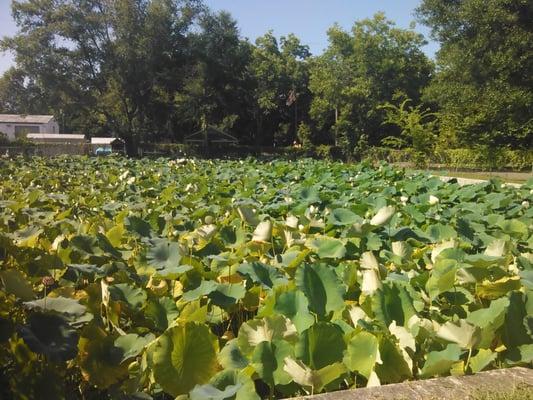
(139, 279)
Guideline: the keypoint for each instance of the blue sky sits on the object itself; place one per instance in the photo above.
(308, 19)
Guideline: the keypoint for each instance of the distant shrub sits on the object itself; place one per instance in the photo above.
(478, 158)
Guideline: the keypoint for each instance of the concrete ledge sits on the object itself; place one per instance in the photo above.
(469, 181)
(483, 383)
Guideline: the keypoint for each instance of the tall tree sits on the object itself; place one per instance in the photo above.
(484, 84)
(360, 71)
(21, 95)
(216, 89)
(108, 66)
(281, 75)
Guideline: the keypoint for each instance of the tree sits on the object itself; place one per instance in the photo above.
(216, 91)
(279, 69)
(21, 95)
(109, 66)
(417, 125)
(362, 70)
(484, 84)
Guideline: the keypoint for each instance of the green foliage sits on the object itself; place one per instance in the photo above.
(243, 279)
(173, 67)
(305, 135)
(347, 81)
(418, 126)
(484, 81)
(478, 158)
(184, 356)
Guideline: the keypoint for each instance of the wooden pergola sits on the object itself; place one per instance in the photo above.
(210, 136)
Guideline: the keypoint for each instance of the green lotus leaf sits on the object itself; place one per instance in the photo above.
(442, 277)
(267, 329)
(86, 244)
(227, 294)
(231, 357)
(307, 377)
(76, 271)
(526, 278)
(105, 245)
(309, 195)
(115, 235)
(362, 353)
(484, 261)
(267, 361)
(15, 283)
(481, 360)
(327, 247)
(494, 289)
(132, 344)
(440, 362)
(99, 358)
(132, 296)
(489, 320)
(394, 367)
(342, 216)
(393, 303)
(226, 385)
(248, 215)
(526, 353)
(295, 306)
(161, 311)
(464, 334)
(164, 254)
(50, 335)
(183, 357)
(403, 234)
(27, 237)
(138, 225)
(205, 288)
(173, 272)
(322, 288)
(514, 227)
(515, 333)
(320, 345)
(440, 232)
(60, 305)
(263, 274)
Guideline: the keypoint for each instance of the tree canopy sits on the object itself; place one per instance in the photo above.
(484, 80)
(158, 70)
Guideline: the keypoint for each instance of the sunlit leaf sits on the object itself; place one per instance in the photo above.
(184, 356)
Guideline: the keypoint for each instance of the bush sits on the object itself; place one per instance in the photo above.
(479, 158)
(486, 158)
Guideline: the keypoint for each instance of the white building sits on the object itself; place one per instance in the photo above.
(15, 126)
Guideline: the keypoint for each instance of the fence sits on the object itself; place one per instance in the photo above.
(46, 150)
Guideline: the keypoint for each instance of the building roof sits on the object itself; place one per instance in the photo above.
(25, 119)
(104, 140)
(54, 136)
